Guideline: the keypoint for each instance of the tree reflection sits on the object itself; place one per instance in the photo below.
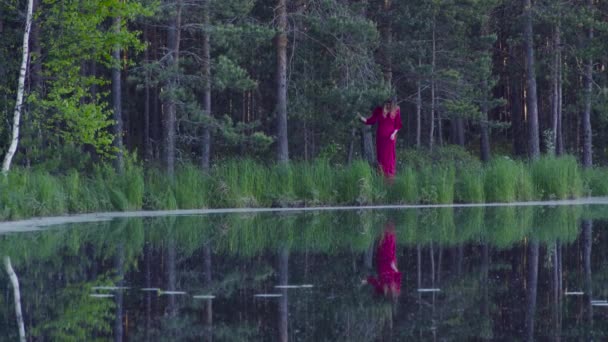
(480, 296)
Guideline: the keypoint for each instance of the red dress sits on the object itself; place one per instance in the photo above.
(385, 255)
(385, 147)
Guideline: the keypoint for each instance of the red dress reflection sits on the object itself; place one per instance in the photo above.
(388, 280)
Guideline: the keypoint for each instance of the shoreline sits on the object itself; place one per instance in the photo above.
(39, 223)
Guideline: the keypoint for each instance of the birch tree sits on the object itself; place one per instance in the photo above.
(17, 293)
(8, 158)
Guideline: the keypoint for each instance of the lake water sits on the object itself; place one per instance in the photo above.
(495, 273)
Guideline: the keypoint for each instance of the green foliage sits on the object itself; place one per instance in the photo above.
(437, 184)
(191, 188)
(77, 316)
(72, 33)
(469, 186)
(405, 188)
(595, 181)
(228, 74)
(158, 192)
(248, 183)
(501, 179)
(556, 178)
(355, 184)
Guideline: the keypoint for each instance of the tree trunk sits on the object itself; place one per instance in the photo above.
(209, 302)
(418, 107)
(281, 109)
(588, 288)
(587, 138)
(432, 121)
(531, 97)
(387, 39)
(118, 297)
(206, 142)
(351, 145)
(169, 105)
(517, 115)
(17, 294)
(148, 276)
(147, 142)
(367, 141)
(116, 101)
(485, 130)
(171, 264)
(458, 131)
(556, 85)
(556, 292)
(8, 158)
(531, 292)
(559, 145)
(485, 134)
(283, 301)
(486, 317)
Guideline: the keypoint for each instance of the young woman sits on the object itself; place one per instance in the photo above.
(388, 118)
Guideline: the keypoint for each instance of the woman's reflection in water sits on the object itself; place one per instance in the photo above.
(387, 282)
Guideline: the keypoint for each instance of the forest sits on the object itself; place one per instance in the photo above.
(160, 86)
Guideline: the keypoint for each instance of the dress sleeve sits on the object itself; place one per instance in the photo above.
(374, 118)
(398, 123)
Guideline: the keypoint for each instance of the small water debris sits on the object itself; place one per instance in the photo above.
(268, 295)
(101, 295)
(604, 303)
(151, 289)
(173, 293)
(203, 296)
(429, 290)
(287, 286)
(109, 288)
(574, 293)
(598, 301)
(303, 286)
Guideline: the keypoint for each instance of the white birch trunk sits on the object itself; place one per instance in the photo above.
(15, 283)
(6, 165)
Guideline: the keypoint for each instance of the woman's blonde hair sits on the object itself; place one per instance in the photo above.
(392, 105)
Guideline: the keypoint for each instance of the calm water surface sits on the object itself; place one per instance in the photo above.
(502, 273)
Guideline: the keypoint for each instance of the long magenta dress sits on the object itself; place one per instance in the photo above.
(385, 256)
(385, 147)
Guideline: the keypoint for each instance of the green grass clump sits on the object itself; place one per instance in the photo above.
(556, 178)
(159, 193)
(356, 184)
(191, 187)
(437, 184)
(404, 188)
(501, 180)
(595, 181)
(469, 186)
(314, 182)
(241, 183)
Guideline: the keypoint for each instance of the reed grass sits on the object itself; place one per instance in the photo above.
(248, 183)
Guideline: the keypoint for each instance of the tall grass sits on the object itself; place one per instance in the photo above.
(191, 187)
(595, 181)
(247, 183)
(437, 184)
(356, 184)
(501, 179)
(404, 188)
(469, 187)
(556, 178)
